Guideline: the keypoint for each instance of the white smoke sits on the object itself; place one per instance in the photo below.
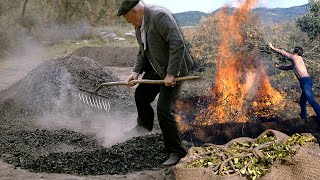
(69, 112)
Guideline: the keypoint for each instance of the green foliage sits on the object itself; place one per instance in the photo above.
(310, 23)
(203, 41)
(253, 159)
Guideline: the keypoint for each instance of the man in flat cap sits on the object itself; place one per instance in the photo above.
(162, 55)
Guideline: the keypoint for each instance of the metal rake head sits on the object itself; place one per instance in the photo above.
(95, 102)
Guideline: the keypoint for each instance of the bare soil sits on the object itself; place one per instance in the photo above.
(110, 56)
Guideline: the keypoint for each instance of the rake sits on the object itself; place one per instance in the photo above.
(99, 101)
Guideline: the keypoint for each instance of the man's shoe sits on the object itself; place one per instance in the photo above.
(173, 160)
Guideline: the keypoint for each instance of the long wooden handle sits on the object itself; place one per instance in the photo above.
(146, 81)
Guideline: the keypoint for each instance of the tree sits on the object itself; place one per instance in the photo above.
(310, 23)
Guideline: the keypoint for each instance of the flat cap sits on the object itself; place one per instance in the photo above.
(126, 5)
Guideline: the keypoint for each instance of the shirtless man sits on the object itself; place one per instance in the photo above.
(304, 78)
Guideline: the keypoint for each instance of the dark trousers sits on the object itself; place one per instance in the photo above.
(307, 95)
(145, 94)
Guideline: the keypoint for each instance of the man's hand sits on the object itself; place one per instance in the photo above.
(271, 46)
(169, 80)
(276, 65)
(133, 76)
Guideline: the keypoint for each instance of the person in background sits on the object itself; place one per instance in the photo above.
(162, 55)
(304, 78)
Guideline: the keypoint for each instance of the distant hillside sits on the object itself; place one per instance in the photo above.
(267, 15)
(189, 18)
(280, 15)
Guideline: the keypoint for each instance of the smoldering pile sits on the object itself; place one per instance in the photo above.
(137, 154)
(52, 85)
(51, 89)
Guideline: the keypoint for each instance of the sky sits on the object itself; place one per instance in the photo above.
(207, 6)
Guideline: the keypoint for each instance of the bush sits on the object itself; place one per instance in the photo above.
(310, 23)
(204, 40)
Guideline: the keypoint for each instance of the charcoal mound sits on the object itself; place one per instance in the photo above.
(37, 136)
(53, 87)
(137, 154)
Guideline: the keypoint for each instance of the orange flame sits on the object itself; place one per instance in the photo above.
(241, 85)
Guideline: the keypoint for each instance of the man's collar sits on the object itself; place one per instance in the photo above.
(146, 15)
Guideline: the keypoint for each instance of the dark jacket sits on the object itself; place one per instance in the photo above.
(165, 49)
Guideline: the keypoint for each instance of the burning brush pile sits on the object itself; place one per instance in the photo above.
(242, 88)
(241, 97)
(241, 101)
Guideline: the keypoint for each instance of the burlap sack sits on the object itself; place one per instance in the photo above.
(301, 166)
